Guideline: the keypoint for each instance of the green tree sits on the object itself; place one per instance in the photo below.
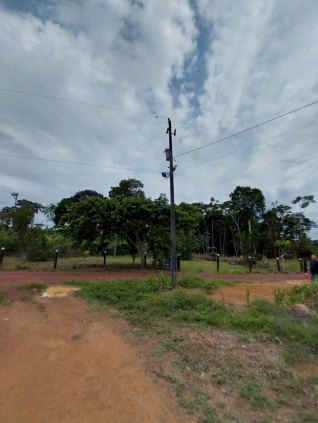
(84, 219)
(21, 219)
(127, 188)
(244, 209)
(188, 220)
(59, 211)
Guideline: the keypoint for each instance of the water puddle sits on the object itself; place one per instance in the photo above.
(59, 291)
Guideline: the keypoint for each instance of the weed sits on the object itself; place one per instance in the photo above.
(309, 417)
(41, 307)
(2, 298)
(136, 332)
(255, 395)
(34, 285)
(210, 416)
(313, 380)
(22, 267)
(157, 309)
(305, 294)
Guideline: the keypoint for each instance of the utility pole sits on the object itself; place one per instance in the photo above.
(172, 168)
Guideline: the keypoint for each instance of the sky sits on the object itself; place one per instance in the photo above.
(87, 86)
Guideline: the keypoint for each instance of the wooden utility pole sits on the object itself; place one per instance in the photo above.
(169, 157)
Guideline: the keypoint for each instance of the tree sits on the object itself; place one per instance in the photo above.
(127, 188)
(21, 219)
(188, 220)
(59, 211)
(304, 201)
(130, 219)
(245, 208)
(84, 220)
(159, 230)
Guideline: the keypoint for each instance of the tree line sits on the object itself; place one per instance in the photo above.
(128, 222)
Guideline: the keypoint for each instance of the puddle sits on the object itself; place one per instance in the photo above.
(59, 291)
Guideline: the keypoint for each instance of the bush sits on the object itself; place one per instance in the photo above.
(304, 294)
(38, 246)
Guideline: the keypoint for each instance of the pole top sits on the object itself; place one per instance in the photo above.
(3, 248)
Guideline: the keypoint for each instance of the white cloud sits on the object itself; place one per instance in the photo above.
(260, 60)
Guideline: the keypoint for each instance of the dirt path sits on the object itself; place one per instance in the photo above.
(8, 278)
(61, 363)
(242, 293)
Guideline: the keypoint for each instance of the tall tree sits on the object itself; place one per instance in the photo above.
(21, 219)
(127, 188)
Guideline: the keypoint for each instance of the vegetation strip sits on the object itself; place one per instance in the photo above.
(166, 314)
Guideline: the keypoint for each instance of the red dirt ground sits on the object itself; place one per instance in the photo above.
(61, 363)
(8, 278)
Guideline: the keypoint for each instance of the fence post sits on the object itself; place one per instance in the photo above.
(145, 259)
(278, 263)
(104, 255)
(178, 262)
(301, 264)
(1, 256)
(305, 265)
(250, 263)
(217, 262)
(55, 258)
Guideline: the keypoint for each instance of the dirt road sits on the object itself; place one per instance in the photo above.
(61, 363)
(8, 278)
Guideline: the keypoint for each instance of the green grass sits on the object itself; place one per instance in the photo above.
(33, 286)
(2, 298)
(151, 301)
(254, 393)
(304, 294)
(163, 313)
(195, 266)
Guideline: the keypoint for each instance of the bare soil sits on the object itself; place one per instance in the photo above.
(10, 278)
(61, 363)
(241, 294)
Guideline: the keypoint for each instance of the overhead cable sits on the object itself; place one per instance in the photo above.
(76, 163)
(84, 103)
(247, 129)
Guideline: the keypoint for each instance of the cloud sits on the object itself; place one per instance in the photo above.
(214, 67)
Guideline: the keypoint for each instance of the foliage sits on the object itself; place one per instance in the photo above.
(151, 300)
(37, 245)
(2, 298)
(34, 285)
(28, 237)
(305, 294)
(240, 226)
(128, 188)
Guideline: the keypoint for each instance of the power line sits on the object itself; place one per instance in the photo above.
(70, 174)
(248, 147)
(247, 129)
(76, 163)
(84, 103)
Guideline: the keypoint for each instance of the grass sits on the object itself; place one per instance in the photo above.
(305, 294)
(2, 298)
(195, 266)
(33, 286)
(165, 314)
(254, 393)
(150, 301)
